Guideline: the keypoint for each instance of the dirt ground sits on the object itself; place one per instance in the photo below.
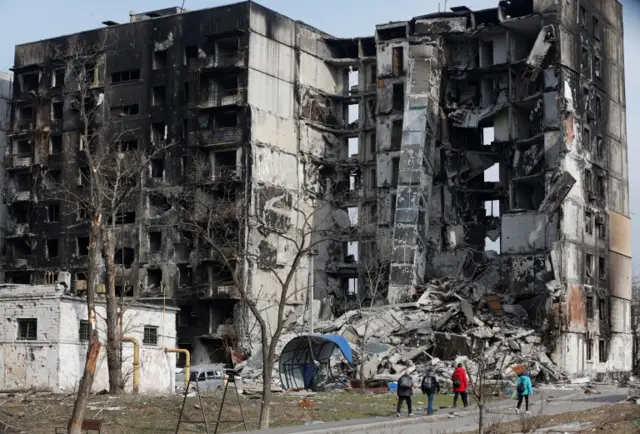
(40, 413)
(608, 419)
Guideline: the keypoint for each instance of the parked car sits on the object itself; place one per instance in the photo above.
(210, 378)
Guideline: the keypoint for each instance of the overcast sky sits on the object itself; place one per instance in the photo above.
(32, 20)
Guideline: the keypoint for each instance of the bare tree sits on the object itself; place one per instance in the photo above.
(373, 267)
(110, 178)
(273, 243)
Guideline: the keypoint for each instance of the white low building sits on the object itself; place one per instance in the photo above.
(43, 341)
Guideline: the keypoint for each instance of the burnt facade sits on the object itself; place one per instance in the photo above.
(400, 128)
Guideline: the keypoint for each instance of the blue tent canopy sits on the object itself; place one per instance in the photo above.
(304, 355)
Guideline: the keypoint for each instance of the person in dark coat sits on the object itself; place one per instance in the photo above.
(460, 385)
(405, 390)
(430, 386)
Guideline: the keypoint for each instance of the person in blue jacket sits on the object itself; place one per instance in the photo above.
(524, 389)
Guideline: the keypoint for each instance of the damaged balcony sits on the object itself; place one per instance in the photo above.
(218, 137)
(346, 266)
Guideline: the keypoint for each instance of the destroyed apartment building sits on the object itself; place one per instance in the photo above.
(401, 131)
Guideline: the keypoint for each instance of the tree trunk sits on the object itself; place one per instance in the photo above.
(114, 359)
(84, 388)
(267, 364)
(480, 418)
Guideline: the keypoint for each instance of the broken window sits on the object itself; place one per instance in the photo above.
(600, 148)
(158, 204)
(55, 145)
(30, 82)
(586, 138)
(598, 107)
(352, 286)
(373, 213)
(126, 217)
(600, 187)
(25, 148)
(398, 96)
(154, 278)
(159, 59)
(184, 164)
(373, 74)
(52, 248)
(602, 268)
(395, 171)
(158, 96)
(27, 329)
(601, 228)
(82, 246)
(586, 60)
(588, 180)
(602, 306)
(373, 145)
(84, 176)
(56, 110)
(150, 335)
(83, 330)
(155, 241)
(55, 176)
(83, 212)
(158, 132)
(597, 64)
(125, 110)
(596, 28)
(486, 53)
(588, 222)
(392, 206)
(57, 79)
(190, 53)
(157, 167)
(185, 275)
(583, 17)
(124, 256)
(123, 76)
(589, 345)
(588, 265)
(590, 307)
(396, 134)
(23, 182)
(53, 212)
(602, 351)
(398, 60)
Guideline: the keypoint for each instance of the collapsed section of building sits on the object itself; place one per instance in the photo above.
(437, 136)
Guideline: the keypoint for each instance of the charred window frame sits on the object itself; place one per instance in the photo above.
(55, 145)
(586, 138)
(125, 76)
(590, 307)
(595, 28)
(583, 17)
(602, 267)
(601, 227)
(598, 107)
(588, 265)
(601, 186)
(52, 248)
(597, 66)
(588, 222)
(53, 213)
(589, 345)
(57, 78)
(82, 246)
(588, 180)
(600, 148)
(602, 351)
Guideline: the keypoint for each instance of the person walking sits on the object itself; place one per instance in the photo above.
(524, 389)
(460, 385)
(430, 387)
(405, 390)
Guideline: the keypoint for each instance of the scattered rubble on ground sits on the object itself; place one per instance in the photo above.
(450, 321)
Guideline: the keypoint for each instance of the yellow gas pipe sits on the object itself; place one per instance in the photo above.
(136, 362)
(187, 361)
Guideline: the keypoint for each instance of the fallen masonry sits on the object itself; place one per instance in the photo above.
(451, 321)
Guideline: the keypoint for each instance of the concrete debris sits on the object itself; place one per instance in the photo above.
(451, 321)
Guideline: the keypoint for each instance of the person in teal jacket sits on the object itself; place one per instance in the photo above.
(524, 389)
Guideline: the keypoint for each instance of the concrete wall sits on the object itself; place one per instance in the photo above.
(56, 358)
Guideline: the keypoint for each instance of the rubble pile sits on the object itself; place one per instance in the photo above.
(450, 321)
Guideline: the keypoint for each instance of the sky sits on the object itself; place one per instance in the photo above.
(32, 20)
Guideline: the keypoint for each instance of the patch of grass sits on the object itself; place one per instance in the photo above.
(38, 414)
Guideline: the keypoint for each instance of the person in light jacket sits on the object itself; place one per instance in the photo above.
(524, 389)
(460, 385)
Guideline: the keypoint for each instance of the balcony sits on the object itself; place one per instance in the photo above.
(17, 161)
(21, 262)
(12, 194)
(220, 136)
(223, 97)
(17, 230)
(22, 126)
(212, 291)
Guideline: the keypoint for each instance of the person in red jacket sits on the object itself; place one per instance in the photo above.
(460, 384)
